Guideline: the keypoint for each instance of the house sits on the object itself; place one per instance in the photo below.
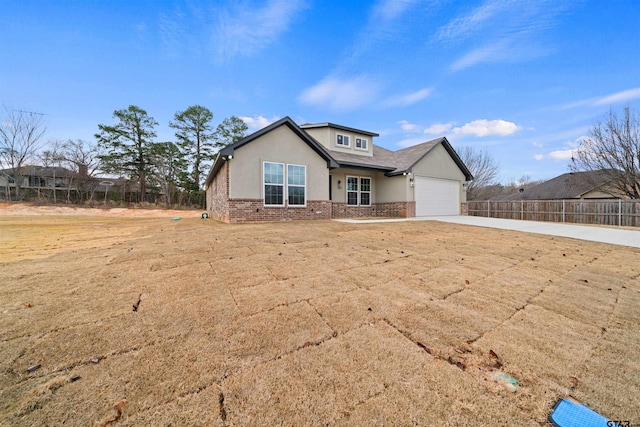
(42, 180)
(320, 171)
(33, 179)
(37, 177)
(573, 185)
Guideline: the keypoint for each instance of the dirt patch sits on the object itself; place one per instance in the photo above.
(304, 323)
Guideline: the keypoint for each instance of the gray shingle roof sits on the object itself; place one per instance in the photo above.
(391, 162)
(407, 157)
(41, 171)
(398, 162)
(382, 159)
(570, 185)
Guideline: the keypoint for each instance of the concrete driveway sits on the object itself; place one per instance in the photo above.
(614, 236)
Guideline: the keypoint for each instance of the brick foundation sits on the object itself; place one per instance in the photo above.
(248, 210)
(464, 209)
(387, 210)
(222, 208)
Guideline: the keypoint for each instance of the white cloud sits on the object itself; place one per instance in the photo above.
(537, 144)
(438, 128)
(488, 53)
(562, 154)
(482, 128)
(502, 31)
(409, 127)
(383, 24)
(341, 94)
(389, 10)
(463, 26)
(258, 122)
(245, 29)
(614, 98)
(409, 98)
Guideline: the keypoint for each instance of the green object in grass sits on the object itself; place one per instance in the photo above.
(507, 381)
(176, 218)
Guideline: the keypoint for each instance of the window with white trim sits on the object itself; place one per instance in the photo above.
(358, 191)
(297, 185)
(342, 140)
(273, 182)
(361, 143)
(276, 184)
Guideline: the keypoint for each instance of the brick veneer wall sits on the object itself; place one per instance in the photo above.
(222, 208)
(245, 210)
(464, 209)
(392, 210)
(218, 195)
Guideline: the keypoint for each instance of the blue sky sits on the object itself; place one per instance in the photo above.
(523, 80)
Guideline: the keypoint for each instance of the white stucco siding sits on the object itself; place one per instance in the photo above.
(327, 136)
(322, 135)
(393, 189)
(281, 146)
(384, 189)
(439, 164)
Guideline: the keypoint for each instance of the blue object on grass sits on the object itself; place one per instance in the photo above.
(569, 413)
(507, 379)
(176, 218)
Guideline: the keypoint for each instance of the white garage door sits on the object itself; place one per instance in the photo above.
(436, 196)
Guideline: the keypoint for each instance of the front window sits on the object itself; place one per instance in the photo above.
(342, 140)
(273, 184)
(352, 191)
(365, 191)
(276, 186)
(361, 143)
(358, 191)
(296, 185)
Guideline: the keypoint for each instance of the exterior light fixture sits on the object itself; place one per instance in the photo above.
(230, 156)
(411, 182)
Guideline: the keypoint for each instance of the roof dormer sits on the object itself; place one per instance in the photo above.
(341, 138)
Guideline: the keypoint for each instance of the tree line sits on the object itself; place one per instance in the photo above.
(127, 149)
(175, 170)
(611, 147)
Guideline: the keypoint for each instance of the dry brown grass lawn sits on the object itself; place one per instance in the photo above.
(309, 323)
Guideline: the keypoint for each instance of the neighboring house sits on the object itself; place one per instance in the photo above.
(48, 178)
(572, 185)
(322, 171)
(38, 177)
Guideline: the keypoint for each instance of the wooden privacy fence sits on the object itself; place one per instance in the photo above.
(607, 212)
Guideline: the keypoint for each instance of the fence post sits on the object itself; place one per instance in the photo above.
(619, 212)
(563, 211)
(488, 209)
(521, 210)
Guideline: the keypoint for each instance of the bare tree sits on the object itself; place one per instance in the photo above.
(20, 134)
(51, 157)
(613, 150)
(167, 165)
(82, 158)
(484, 170)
